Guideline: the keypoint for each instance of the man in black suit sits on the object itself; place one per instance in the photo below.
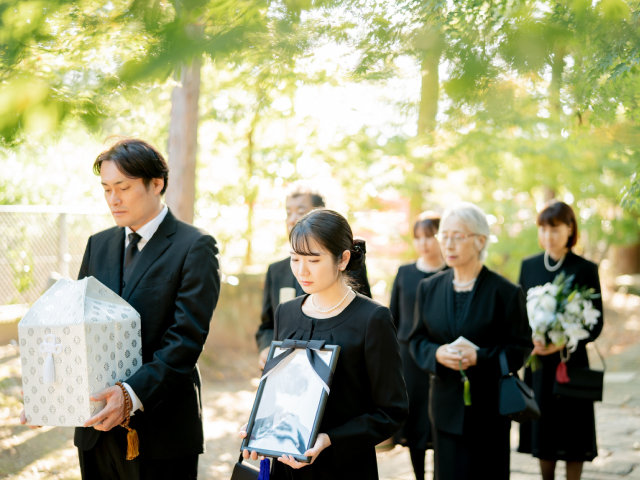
(167, 270)
(301, 199)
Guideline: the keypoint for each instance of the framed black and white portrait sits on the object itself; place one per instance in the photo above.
(291, 398)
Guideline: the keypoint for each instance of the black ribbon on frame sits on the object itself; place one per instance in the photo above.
(311, 346)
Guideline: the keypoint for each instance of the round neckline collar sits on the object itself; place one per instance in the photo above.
(567, 256)
(322, 324)
(442, 268)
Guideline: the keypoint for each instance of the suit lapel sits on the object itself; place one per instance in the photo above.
(151, 252)
(116, 256)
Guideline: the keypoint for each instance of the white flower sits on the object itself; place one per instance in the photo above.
(548, 303)
(552, 289)
(534, 292)
(557, 337)
(540, 320)
(574, 307)
(591, 315)
(575, 333)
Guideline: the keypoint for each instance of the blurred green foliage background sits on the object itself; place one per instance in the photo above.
(389, 106)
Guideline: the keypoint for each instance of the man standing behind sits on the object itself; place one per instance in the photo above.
(301, 199)
(167, 270)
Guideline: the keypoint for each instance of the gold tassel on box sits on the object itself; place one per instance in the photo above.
(133, 444)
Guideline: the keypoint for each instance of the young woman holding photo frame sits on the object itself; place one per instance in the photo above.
(368, 401)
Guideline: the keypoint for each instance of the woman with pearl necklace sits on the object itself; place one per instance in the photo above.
(566, 430)
(471, 438)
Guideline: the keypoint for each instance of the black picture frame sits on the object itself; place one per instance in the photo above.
(335, 351)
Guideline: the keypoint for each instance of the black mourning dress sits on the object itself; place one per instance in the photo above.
(470, 442)
(416, 432)
(368, 400)
(566, 429)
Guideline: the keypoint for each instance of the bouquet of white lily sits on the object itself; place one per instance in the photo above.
(561, 314)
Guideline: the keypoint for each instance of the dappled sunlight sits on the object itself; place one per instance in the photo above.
(385, 108)
(226, 412)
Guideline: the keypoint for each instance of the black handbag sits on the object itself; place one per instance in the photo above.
(242, 471)
(517, 400)
(583, 382)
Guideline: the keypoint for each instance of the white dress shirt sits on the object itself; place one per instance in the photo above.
(146, 232)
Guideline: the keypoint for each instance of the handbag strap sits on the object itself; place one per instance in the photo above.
(504, 366)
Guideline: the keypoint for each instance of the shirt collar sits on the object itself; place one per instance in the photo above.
(148, 229)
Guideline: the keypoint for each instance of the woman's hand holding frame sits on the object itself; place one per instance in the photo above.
(320, 440)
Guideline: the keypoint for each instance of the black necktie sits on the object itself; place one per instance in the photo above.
(131, 256)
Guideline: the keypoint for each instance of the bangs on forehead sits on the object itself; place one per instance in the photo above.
(427, 227)
(300, 239)
(552, 218)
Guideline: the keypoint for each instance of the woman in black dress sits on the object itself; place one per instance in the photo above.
(566, 430)
(416, 433)
(486, 309)
(368, 401)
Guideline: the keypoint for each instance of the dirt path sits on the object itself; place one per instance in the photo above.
(230, 381)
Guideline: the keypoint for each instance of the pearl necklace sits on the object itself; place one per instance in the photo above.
(556, 266)
(313, 304)
(464, 285)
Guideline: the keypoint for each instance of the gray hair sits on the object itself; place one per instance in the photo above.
(474, 219)
(301, 188)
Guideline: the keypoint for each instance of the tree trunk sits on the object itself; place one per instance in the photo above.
(252, 191)
(183, 142)
(429, 96)
(557, 69)
(430, 89)
(627, 260)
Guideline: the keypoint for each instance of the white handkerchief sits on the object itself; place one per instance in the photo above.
(462, 341)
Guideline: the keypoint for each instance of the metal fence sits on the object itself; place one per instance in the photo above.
(36, 242)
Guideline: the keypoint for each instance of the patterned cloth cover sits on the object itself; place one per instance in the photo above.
(77, 339)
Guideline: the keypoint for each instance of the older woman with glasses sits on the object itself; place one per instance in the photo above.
(471, 438)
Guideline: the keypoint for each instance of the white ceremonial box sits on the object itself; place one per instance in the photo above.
(77, 339)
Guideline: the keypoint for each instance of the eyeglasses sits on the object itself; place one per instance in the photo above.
(455, 238)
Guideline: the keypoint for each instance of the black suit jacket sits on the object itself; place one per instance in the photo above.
(495, 318)
(279, 275)
(174, 287)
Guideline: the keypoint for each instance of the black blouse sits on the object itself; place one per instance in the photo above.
(403, 298)
(460, 301)
(368, 401)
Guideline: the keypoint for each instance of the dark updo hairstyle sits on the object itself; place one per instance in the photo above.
(555, 213)
(332, 233)
(428, 222)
